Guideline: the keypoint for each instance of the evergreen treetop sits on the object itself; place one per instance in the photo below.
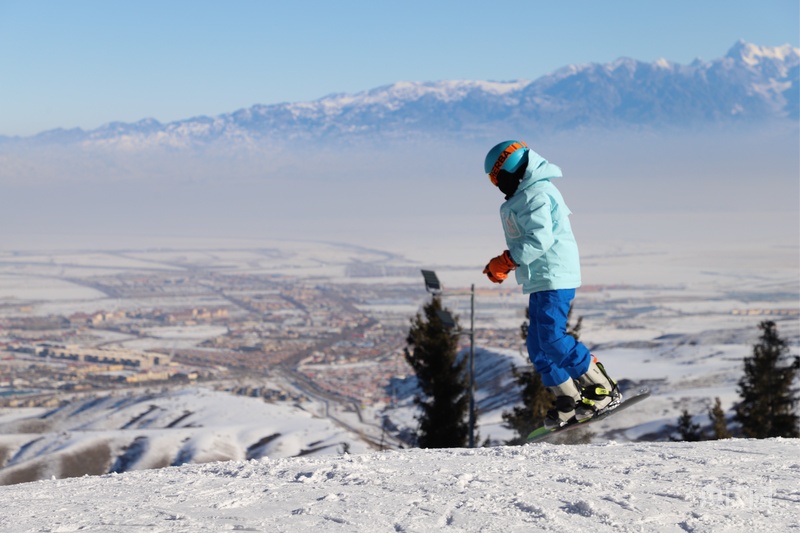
(432, 353)
(719, 424)
(768, 399)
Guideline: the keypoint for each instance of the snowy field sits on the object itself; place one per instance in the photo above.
(737, 485)
(676, 319)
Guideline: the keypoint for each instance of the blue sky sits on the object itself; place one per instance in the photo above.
(85, 63)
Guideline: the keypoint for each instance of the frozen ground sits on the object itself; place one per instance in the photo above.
(736, 485)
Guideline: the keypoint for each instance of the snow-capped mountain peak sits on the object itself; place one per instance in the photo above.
(752, 54)
(750, 84)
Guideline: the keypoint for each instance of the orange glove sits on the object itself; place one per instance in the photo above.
(498, 268)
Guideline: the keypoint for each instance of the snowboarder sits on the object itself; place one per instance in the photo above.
(544, 255)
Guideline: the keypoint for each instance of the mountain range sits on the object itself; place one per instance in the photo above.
(750, 84)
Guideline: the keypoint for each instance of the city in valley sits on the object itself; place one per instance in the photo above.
(107, 320)
(291, 348)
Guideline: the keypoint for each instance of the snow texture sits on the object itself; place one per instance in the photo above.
(734, 485)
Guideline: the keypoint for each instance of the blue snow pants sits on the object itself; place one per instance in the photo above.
(555, 355)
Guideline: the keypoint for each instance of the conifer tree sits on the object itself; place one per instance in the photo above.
(719, 424)
(688, 430)
(432, 353)
(768, 400)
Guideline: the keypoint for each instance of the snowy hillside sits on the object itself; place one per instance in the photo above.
(751, 83)
(736, 485)
(140, 429)
(136, 430)
(121, 431)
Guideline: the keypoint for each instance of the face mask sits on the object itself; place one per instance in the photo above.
(508, 182)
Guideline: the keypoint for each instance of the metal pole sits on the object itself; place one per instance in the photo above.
(472, 367)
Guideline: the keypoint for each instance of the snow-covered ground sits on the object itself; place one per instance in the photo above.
(734, 485)
(679, 321)
(142, 429)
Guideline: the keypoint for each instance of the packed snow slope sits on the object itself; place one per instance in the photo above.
(732, 485)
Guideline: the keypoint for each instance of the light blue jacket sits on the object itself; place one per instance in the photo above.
(538, 233)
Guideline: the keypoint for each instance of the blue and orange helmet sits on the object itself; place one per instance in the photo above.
(508, 155)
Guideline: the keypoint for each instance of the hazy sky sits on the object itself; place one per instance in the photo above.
(85, 63)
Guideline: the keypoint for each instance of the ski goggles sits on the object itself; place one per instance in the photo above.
(501, 159)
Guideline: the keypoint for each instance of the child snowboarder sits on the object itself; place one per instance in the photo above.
(544, 254)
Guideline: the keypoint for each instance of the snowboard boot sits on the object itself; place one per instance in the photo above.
(567, 397)
(599, 392)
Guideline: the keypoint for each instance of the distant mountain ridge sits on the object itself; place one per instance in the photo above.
(749, 84)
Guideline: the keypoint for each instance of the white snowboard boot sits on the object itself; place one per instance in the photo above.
(599, 392)
(567, 397)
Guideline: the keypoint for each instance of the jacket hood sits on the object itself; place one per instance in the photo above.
(538, 169)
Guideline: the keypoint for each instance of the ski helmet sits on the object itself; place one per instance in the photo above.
(504, 156)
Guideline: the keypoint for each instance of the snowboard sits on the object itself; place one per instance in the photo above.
(543, 433)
